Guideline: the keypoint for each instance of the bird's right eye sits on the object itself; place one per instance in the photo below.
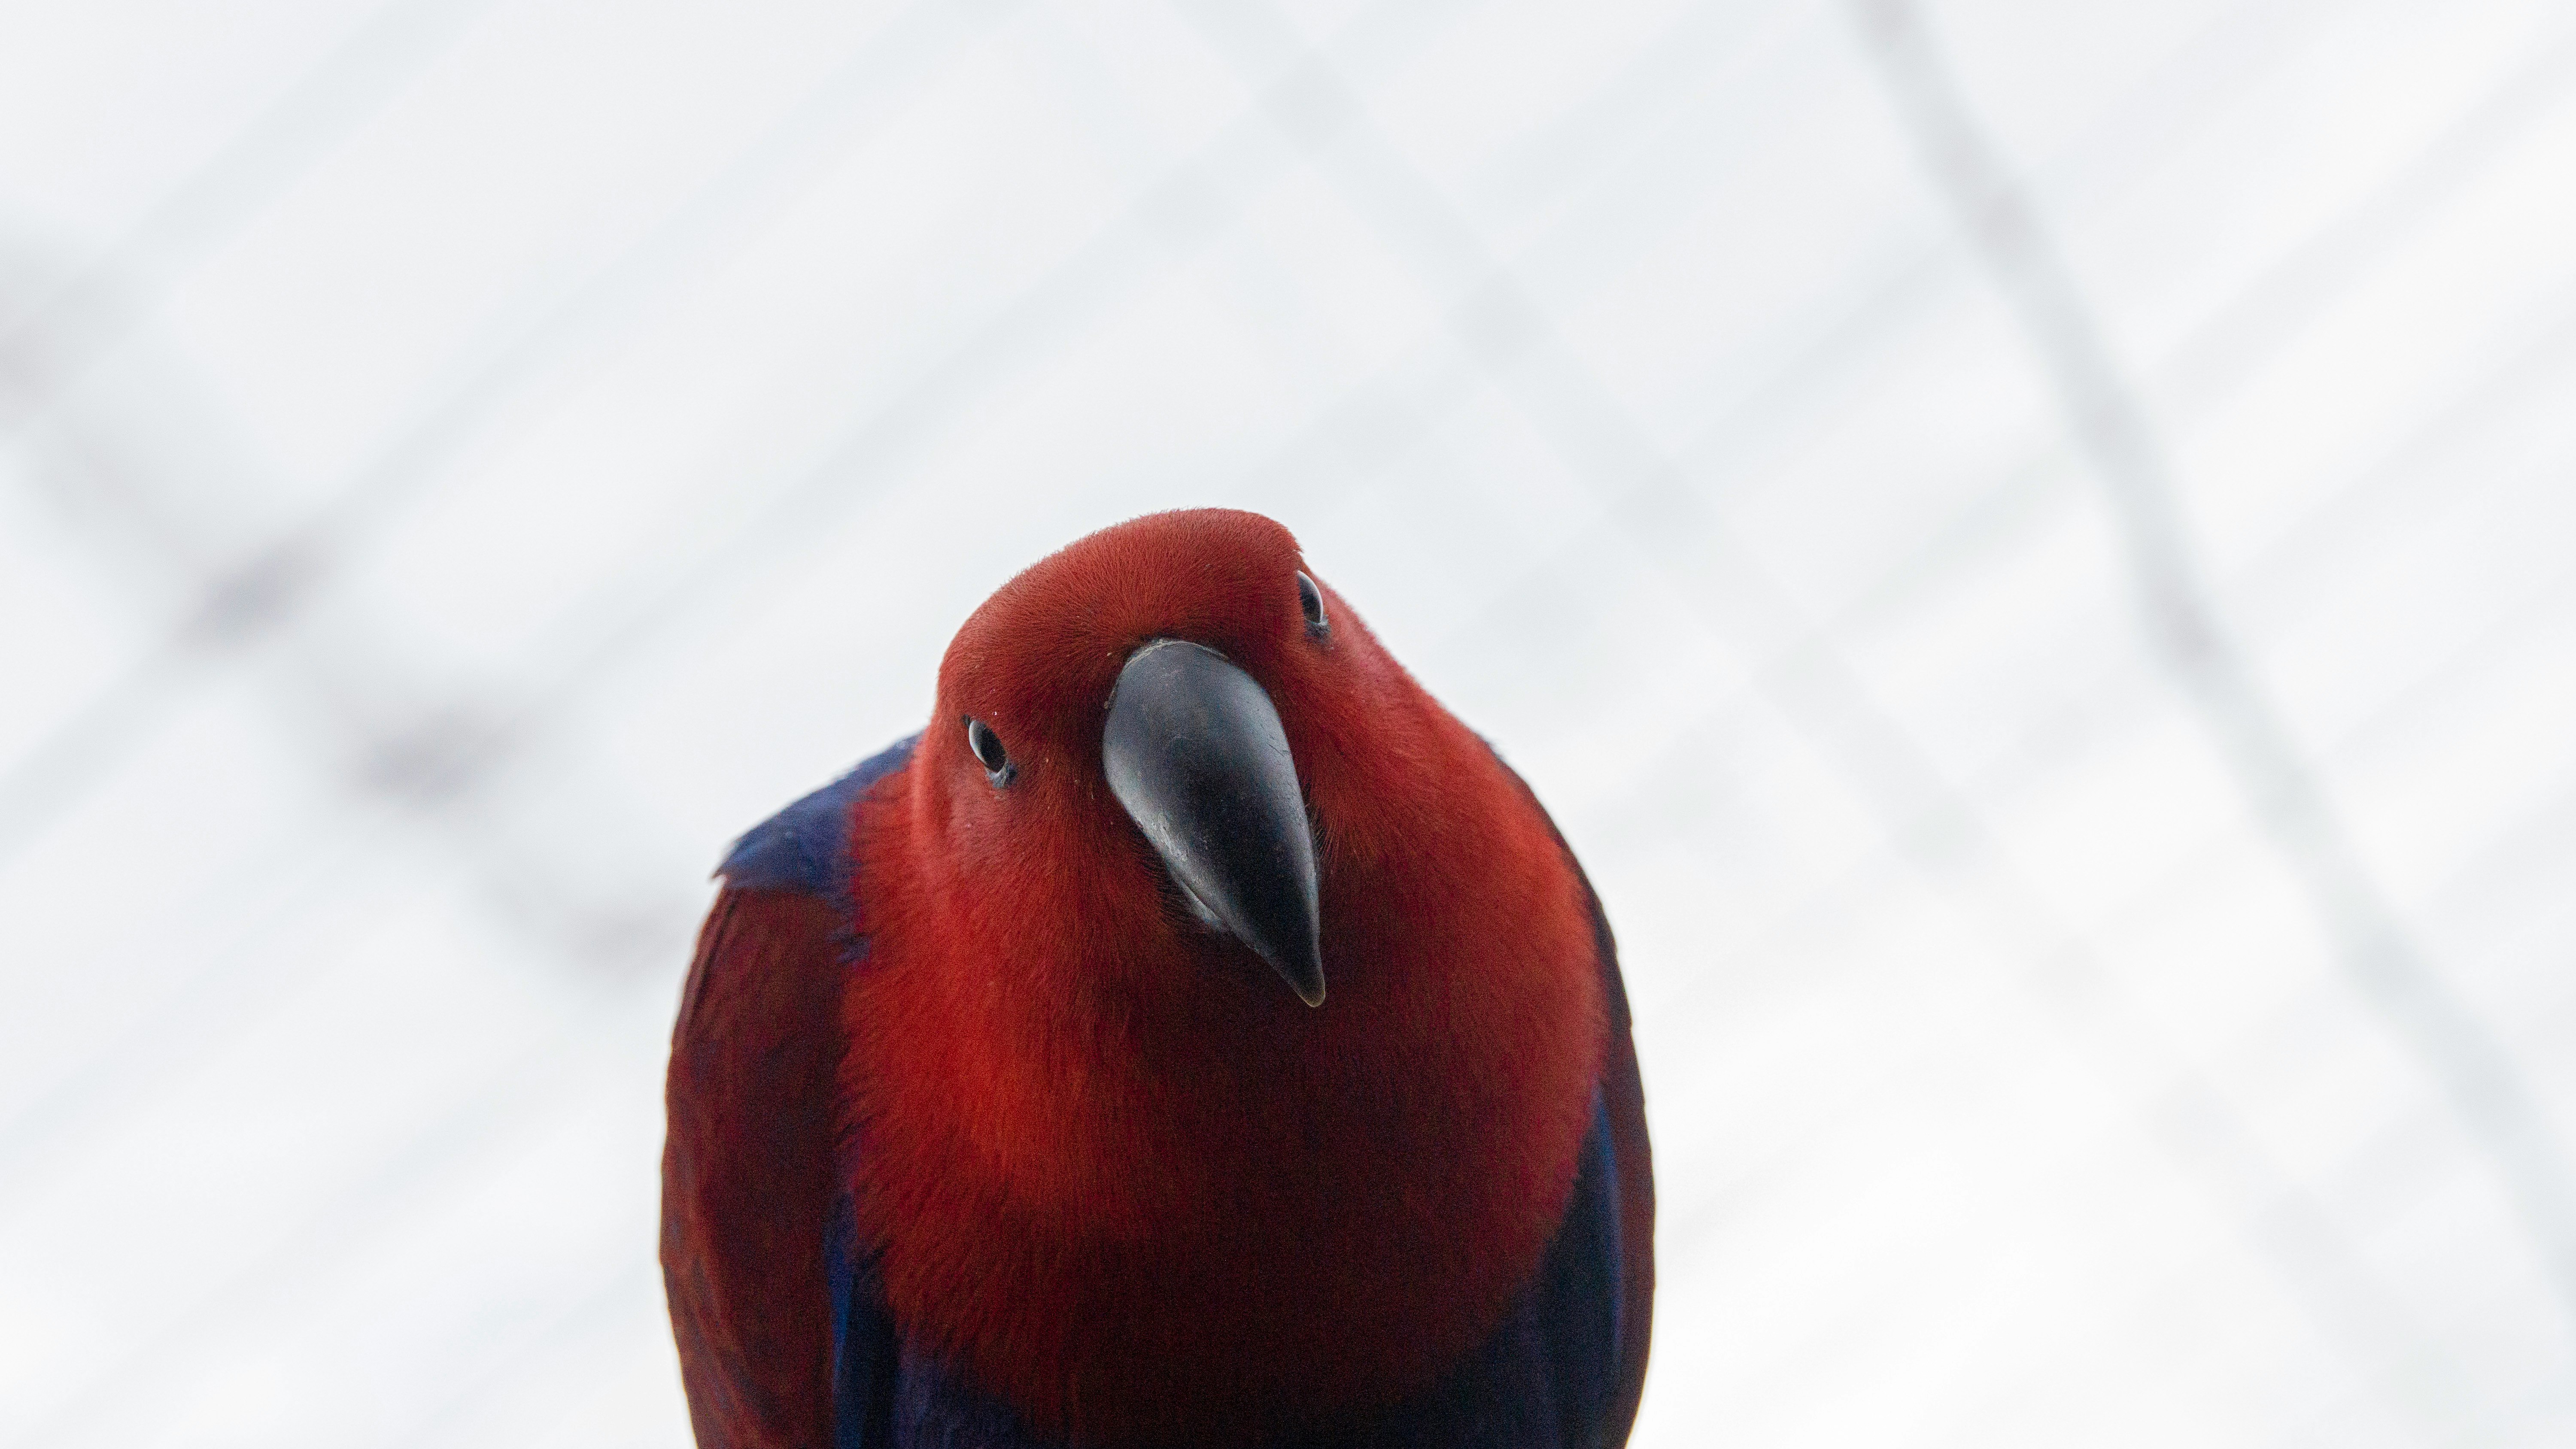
(988, 751)
(1310, 600)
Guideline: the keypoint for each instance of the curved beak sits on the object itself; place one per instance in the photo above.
(1194, 752)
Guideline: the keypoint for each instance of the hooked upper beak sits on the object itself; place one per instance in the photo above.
(1194, 752)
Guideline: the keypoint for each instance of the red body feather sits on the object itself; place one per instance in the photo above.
(747, 1171)
(1113, 1167)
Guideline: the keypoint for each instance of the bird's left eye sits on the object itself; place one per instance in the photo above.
(988, 751)
(1311, 599)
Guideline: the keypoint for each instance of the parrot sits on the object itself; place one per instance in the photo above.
(1195, 1035)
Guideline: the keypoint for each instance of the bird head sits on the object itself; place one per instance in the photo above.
(1169, 709)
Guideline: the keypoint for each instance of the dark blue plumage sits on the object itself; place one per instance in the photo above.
(805, 847)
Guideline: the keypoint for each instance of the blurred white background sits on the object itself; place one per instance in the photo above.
(2029, 545)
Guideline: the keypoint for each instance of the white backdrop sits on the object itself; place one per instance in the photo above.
(2029, 545)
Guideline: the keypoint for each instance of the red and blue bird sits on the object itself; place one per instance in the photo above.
(1196, 1036)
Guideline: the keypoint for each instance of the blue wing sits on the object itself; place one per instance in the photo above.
(804, 848)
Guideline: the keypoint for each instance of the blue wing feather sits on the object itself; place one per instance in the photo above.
(801, 848)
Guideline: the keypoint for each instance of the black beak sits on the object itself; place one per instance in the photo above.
(1195, 753)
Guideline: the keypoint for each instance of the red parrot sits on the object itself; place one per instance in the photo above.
(1194, 1036)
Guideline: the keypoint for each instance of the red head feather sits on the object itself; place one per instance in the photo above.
(1114, 1167)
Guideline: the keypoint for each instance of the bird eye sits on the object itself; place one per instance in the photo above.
(988, 751)
(1311, 599)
